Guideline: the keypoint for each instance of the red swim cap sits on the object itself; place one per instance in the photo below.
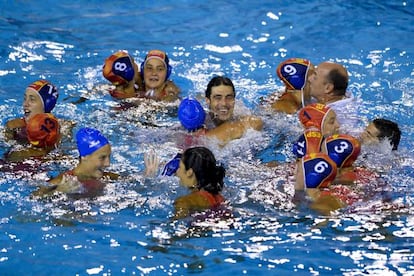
(43, 130)
(313, 115)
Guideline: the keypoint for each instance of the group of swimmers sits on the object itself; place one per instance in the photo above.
(317, 94)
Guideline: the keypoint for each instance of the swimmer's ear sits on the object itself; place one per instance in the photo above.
(189, 172)
(207, 101)
(329, 86)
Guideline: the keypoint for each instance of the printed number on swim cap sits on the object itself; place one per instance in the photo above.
(301, 147)
(321, 166)
(290, 69)
(50, 92)
(341, 147)
(48, 125)
(120, 66)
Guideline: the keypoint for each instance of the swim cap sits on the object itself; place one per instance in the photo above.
(309, 142)
(293, 72)
(313, 115)
(89, 140)
(158, 54)
(47, 92)
(43, 130)
(119, 68)
(318, 170)
(172, 166)
(191, 114)
(342, 149)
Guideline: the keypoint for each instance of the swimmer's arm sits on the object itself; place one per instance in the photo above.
(286, 103)
(111, 175)
(345, 176)
(20, 155)
(50, 189)
(172, 91)
(235, 129)
(65, 183)
(324, 204)
(11, 127)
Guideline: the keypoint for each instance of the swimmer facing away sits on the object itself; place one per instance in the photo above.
(199, 172)
(294, 73)
(321, 158)
(122, 71)
(86, 178)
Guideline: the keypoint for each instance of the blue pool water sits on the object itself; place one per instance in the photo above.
(128, 230)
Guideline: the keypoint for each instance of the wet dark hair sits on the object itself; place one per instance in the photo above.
(217, 81)
(209, 176)
(388, 130)
(339, 81)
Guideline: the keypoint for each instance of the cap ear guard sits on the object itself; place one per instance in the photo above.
(43, 130)
(160, 55)
(119, 68)
(342, 149)
(319, 171)
(309, 142)
(172, 166)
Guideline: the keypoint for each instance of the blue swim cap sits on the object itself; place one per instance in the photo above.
(47, 92)
(89, 140)
(191, 114)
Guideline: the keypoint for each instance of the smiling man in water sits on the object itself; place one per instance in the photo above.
(220, 97)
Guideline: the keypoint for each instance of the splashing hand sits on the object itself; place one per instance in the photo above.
(151, 162)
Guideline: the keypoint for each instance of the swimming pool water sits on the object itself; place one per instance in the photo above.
(128, 230)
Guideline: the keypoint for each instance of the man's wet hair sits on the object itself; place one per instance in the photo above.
(388, 130)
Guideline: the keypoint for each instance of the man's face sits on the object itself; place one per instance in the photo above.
(318, 86)
(221, 102)
(370, 135)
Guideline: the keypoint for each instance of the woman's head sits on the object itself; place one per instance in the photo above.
(200, 163)
(155, 69)
(94, 150)
(321, 117)
(40, 97)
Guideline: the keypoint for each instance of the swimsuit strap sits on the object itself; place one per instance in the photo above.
(214, 200)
